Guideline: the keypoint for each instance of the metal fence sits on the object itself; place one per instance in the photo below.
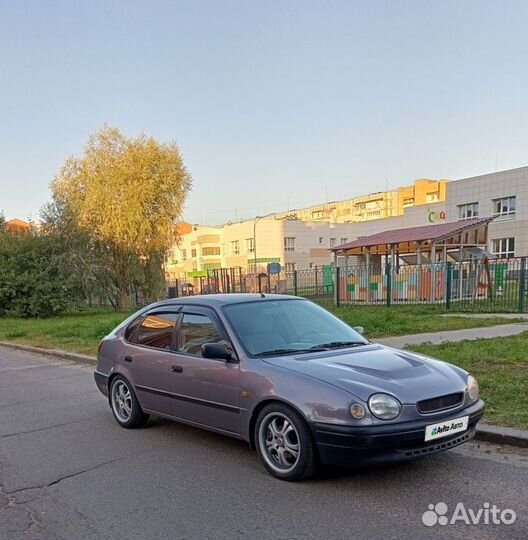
(490, 285)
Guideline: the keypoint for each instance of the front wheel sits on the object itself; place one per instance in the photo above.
(284, 443)
(125, 405)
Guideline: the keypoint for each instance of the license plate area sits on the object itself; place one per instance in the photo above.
(446, 428)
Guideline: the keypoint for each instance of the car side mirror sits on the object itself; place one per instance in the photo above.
(216, 351)
(359, 329)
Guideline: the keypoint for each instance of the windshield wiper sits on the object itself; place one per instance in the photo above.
(277, 352)
(339, 344)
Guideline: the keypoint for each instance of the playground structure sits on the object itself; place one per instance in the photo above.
(417, 264)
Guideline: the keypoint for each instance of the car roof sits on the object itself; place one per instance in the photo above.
(225, 299)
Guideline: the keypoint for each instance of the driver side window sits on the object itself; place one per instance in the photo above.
(195, 330)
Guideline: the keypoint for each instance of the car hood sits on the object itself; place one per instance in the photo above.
(374, 368)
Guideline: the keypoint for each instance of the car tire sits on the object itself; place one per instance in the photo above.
(125, 406)
(284, 443)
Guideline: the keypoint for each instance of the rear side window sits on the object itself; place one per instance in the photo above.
(131, 328)
(195, 331)
(157, 330)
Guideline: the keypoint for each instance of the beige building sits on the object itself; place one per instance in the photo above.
(374, 206)
(294, 244)
(298, 242)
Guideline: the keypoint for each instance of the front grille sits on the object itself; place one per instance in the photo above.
(441, 403)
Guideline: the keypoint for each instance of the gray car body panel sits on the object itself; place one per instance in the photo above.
(223, 396)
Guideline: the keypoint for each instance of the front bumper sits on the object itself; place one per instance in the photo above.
(349, 445)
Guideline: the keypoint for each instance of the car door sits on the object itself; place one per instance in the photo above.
(148, 357)
(204, 390)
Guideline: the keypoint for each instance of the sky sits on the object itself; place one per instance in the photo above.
(274, 104)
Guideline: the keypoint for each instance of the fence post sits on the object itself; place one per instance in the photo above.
(449, 284)
(337, 280)
(522, 285)
(389, 283)
(295, 282)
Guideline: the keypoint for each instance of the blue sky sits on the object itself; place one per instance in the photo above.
(273, 103)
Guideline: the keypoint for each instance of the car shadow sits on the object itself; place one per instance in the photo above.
(239, 450)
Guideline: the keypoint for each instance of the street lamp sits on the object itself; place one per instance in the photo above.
(255, 221)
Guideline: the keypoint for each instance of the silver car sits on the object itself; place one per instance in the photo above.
(285, 375)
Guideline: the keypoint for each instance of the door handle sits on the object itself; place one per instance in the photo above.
(128, 358)
(176, 369)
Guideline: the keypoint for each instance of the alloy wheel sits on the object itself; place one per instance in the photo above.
(279, 442)
(122, 401)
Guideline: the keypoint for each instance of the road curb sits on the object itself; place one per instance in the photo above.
(485, 432)
(502, 435)
(56, 353)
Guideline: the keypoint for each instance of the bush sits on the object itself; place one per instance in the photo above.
(33, 279)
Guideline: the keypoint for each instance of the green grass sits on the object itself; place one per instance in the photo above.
(402, 320)
(81, 332)
(501, 367)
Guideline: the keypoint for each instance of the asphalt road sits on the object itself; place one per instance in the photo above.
(67, 470)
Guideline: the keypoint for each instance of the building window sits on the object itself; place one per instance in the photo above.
(184, 254)
(193, 252)
(235, 247)
(290, 267)
(211, 266)
(289, 243)
(321, 240)
(468, 210)
(504, 207)
(211, 250)
(432, 197)
(250, 245)
(332, 242)
(408, 201)
(503, 247)
(344, 241)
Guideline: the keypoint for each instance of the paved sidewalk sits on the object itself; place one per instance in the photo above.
(518, 316)
(502, 330)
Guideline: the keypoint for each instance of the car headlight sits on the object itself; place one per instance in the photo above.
(384, 406)
(472, 388)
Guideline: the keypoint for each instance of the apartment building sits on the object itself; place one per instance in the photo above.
(297, 242)
(375, 205)
(502, 195)
(292, 243)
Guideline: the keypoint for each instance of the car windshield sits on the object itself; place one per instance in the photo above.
(281, 327)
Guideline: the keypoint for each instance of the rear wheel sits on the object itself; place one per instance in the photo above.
(284, 443)
(125, 405)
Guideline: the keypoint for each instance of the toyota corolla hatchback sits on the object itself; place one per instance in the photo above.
(285, 375)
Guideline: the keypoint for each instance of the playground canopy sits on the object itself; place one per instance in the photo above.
(429, 243)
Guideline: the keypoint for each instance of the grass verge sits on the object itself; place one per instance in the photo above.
(501, 367)
(403, 320)
(82, 332)
(79, 332)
